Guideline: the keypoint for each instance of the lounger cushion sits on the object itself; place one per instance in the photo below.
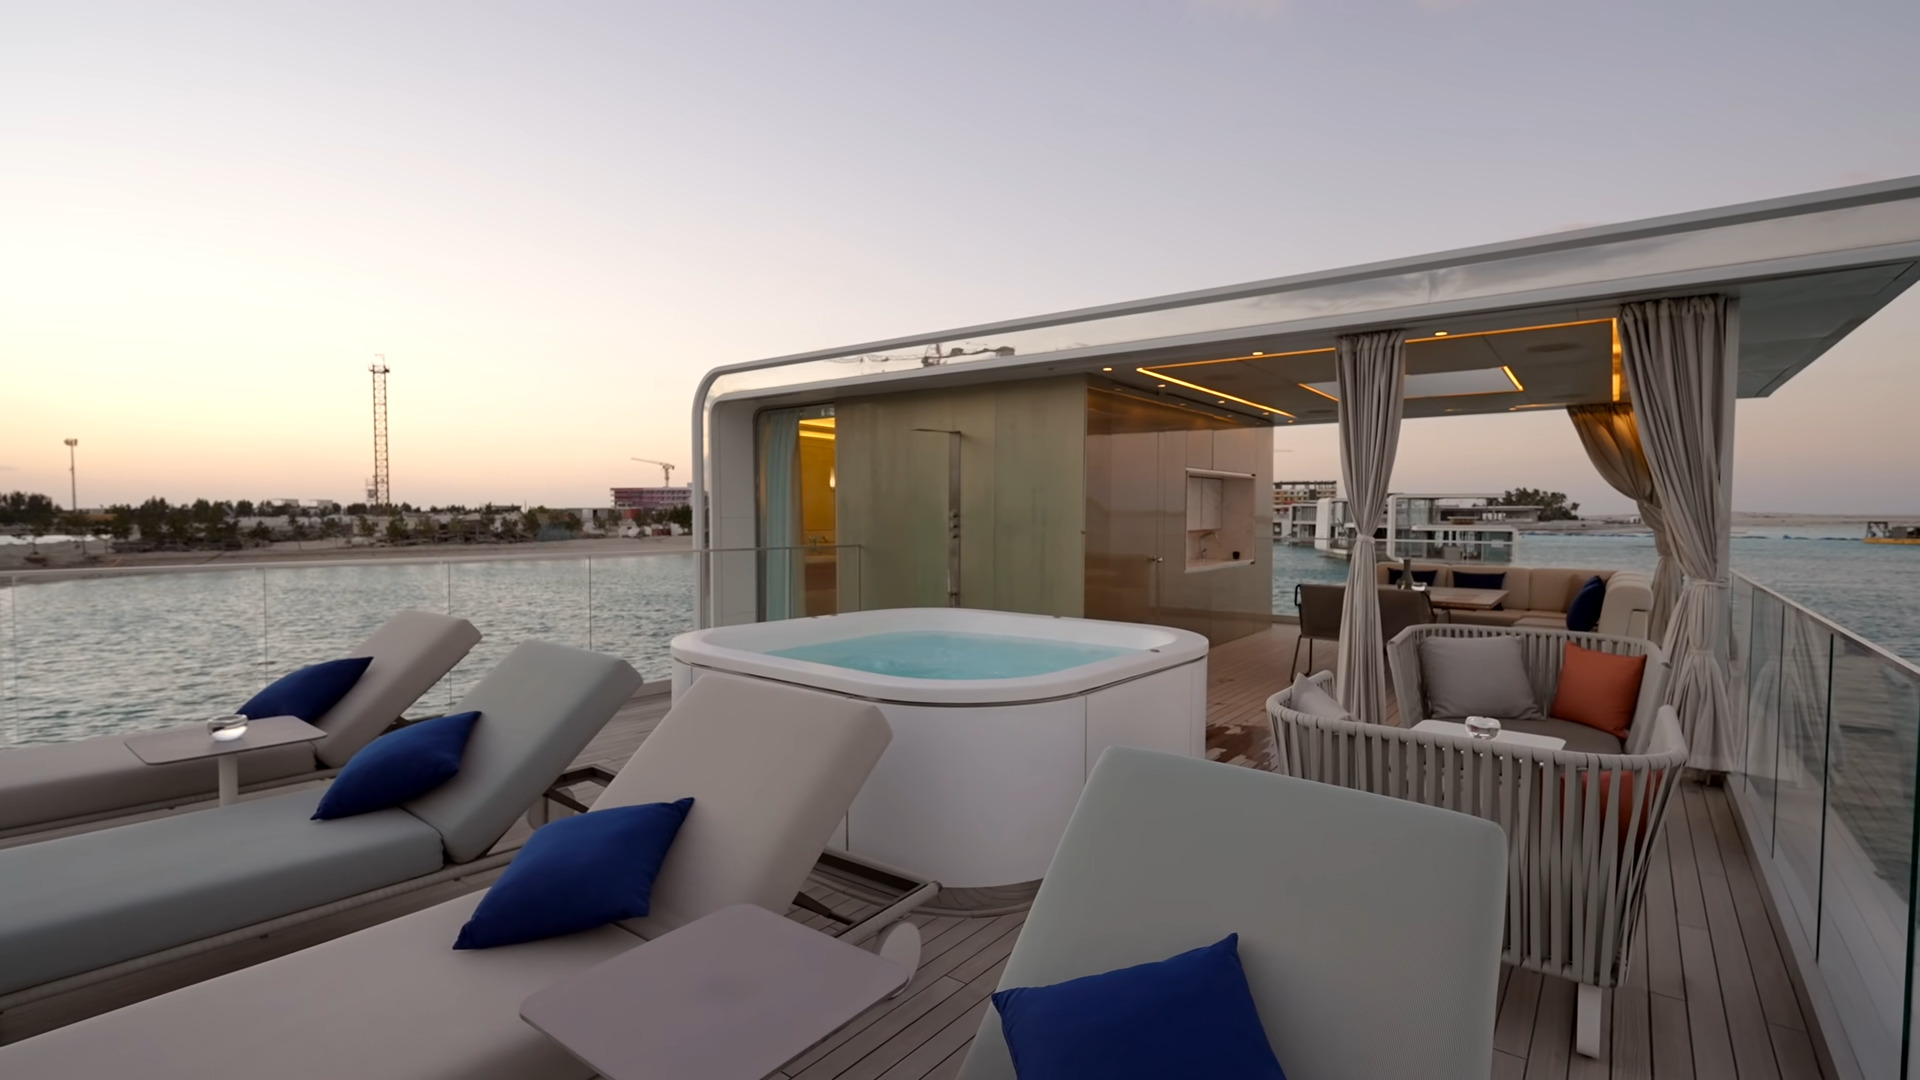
(576, 874)
(1579, 738)
(1187, 1015)
(391, 1001)
(52, 782)
(307, 692)
(774, 767)
(399, 766)
(411, 651)
(542, 704)
(1355, 900)
(81, 902)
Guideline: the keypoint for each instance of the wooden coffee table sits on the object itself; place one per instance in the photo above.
(1447, 598)
(193, 741)
(732, 996)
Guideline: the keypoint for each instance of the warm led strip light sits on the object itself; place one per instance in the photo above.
(1218, 394)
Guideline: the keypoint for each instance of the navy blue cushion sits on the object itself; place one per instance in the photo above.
(1424, 577)
(1188, 1016)
(398, 766)
(575, 874)
(1467, 579)
(1584, 613)
(307, 693)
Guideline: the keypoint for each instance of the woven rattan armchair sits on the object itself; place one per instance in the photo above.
(1580, 827)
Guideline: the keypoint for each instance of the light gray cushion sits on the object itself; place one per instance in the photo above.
(1483, 676)
(42, 784)
(538, 708)
(1307, 697)
(393, 1002)
(1155, 861)
(411, 651)
(81, 902)
(772, 769)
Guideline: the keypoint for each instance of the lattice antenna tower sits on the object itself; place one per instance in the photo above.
(380, 488)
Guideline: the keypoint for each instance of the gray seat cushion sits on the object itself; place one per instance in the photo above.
(1583, 738)
(411, 651)
(1354, 900)
(393, 1002)
(41, 784)
(82, 902)
(1477, 676)
(538, 709)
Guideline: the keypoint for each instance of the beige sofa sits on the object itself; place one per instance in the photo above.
(1538, 596)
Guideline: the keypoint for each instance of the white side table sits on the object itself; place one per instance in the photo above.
(732, 996)
(192, 742)
(1512, 738)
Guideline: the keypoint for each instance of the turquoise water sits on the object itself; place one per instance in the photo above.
(929, 654)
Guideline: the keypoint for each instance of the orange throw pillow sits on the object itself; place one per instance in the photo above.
(1598, 689)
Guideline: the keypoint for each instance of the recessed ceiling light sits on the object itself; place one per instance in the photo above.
(1106, 369)
(1257, 352)
(1439, 333)
(1161, 386)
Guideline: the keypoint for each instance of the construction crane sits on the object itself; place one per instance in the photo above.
(666, 470)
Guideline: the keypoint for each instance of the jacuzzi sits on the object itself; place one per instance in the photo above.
(997, 718)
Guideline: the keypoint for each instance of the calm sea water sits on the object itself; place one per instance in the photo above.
(114, 654)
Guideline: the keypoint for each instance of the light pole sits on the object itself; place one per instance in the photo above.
(73, 477)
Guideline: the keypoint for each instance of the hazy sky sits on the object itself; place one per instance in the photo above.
(552, 218)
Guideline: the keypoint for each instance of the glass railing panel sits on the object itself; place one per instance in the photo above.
(768, 584)
(320, 612)
(1800, 791)
(1760, 691)
(637, 604)
(9, 627)
(516, 600)
(1867, 873)
(110, 653)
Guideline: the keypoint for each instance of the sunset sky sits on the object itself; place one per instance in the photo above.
(552, 218)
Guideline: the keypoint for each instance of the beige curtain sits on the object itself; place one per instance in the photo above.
(1612, 440)
(1372, 375)
(1678, 356)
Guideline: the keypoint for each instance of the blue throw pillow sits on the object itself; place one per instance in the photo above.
(575, 874)
(1424, 577)
(307, 693)
(1191, 1015)
(1584, 613)
(1467, 579)
(398, 766)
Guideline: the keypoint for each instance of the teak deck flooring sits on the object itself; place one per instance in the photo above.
(1709, 994)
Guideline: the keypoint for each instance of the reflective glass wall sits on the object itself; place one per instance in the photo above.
(1827, 787)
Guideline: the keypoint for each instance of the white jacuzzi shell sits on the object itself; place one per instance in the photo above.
(982, 774)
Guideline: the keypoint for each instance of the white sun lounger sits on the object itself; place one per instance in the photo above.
(1369, 927)
(44, 787)
(772, 770)
(82, 909)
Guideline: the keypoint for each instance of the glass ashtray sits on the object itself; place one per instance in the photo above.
(227, 728)
(1482, 727)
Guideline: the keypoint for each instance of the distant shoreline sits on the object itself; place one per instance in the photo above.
(65, 561)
